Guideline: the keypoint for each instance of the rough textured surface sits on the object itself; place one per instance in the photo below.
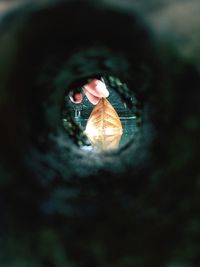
(63, 207)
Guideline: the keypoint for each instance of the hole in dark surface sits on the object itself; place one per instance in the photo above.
(100, 113)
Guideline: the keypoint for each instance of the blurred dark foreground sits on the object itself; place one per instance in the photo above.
(61, 206)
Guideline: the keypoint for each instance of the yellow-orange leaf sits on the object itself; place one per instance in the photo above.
(104, 128)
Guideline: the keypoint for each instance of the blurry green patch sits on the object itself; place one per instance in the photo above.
(192, 123)
(51, 249)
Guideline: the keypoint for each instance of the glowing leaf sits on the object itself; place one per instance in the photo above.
(104, 128)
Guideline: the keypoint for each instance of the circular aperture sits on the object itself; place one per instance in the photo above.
(100, 113)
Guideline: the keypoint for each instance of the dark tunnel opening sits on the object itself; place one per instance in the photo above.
(52, 54)
(62, 205)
